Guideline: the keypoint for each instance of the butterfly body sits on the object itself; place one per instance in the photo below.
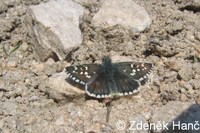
(110, 79)
(109, 70)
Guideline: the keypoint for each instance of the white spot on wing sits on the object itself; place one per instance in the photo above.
(134, 70)
(86, 73)
(132, 74)
(75, 68)
(131, 65)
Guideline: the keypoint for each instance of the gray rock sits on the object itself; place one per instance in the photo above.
(197, 36)
(3, 7)
(34, 98)
(122, 12)
(175, 64)
(19, 89)
(186, 72)
(10, 107)
(59, 121)
(12, 3)
(198, 99)
(14, 76)
(56, 27)
(196, 68)
(59, 89)
(175, 27)
(183, 97)
(195, 83)
(6, 26)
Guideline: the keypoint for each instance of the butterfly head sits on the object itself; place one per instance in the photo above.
(106, 61)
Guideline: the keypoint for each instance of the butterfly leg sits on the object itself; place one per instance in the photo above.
(108, 104)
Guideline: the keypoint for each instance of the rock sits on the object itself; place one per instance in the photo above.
(50, 62)
(183, 97)
(175, 64)
(189, 35)
(170, 74)
(125, 13)
(198, 99)
(34, 98)
(196, 68)
(3, 7)
(9, 64)
(59, 88)
(14, 76)
(106, 129)
(50, 67)
(87, 3)
(117, 58)
(20, 88)
(94, 128)
(187, 86)
(163, 47)
(6, 25)
(11, 3)
(37, 67)
(24, 46)
(70, 107)
(59, 121)
(175, 27)
(1, 124)
(147, 115)
(10, 107)
(197, 36)
(56, 27)
(195, 83)
(186, 72)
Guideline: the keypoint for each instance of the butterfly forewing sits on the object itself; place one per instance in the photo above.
(82, 74)
(136, 70)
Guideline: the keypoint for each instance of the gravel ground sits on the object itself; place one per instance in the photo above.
(172, 43)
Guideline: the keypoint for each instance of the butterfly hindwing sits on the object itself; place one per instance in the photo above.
(125, 84)
(82, 74)
(98, 86)
(122, 85)
(137, 70)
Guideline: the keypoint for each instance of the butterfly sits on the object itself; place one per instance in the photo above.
(109, 79)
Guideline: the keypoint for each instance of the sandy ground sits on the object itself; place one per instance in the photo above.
(172, 43)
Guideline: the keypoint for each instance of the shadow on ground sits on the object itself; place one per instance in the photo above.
(187, 122)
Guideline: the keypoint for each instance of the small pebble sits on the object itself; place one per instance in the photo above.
(183, 97)
(198, 99)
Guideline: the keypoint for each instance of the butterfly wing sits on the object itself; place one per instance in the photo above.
(121, 84)
(125, 84)
(124, 79)
(137, 70)
(82, 74)
(98, 87)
